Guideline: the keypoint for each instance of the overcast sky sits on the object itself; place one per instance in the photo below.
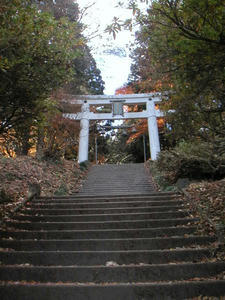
(114, 68)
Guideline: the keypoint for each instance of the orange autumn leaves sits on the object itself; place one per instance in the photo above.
(141, 126)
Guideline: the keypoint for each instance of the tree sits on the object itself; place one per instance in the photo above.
(87, 77)
(36, 57)
(60, 9)
(42, 50)
(60, 137)
(182, 50)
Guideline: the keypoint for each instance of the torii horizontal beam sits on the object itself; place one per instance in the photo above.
(108, 116)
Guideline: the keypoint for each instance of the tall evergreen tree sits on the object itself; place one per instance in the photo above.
(87, 77)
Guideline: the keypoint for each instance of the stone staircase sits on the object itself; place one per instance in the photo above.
(127, 179)
(117, 239)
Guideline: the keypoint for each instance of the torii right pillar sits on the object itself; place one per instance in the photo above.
(153, 131)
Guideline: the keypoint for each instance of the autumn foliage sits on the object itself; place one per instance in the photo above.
(59, 135)
(141, 126)
(126, 89)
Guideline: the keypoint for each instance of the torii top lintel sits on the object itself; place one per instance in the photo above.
(107, 99)
(149, 99)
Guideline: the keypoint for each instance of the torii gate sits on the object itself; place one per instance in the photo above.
(117, 102)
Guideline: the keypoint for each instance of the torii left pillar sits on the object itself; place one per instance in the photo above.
(84, 133)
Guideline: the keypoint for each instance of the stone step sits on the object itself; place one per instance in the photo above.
(113, 186)
(100, 225)
(94, 258)
(150, 194)
(100, 234)
(101, 217)
(114, 193)
(105, 199)
(128, 182)
(118, 210)
(101, 274)
(116, 184)
(119, 291)
(107, 196)
(106, 244)
(115, 204)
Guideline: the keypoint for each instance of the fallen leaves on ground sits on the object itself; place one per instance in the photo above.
(19, 175)
(207, 201)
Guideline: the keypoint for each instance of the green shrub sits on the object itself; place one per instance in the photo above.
(159, 178)
(62, 190)
(84, 165)
(191, 160)
(4, 197)
(54, 156)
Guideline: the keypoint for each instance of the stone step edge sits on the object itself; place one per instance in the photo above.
(35, 204)
(176, 238)
(109, 222)
(165, 283)
(114, 186)
(101, 212)
(77, 196)
(138, 267)
(165, 272)
(182, 250)
(115, 266)
(173, 256)
(102, 230)
(186, 212)
(116, 190)
(105, 209)
(111, 291)
(94, 258)
(161, 231)
(106, 200)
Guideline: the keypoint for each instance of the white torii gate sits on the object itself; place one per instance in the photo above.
(117, 102)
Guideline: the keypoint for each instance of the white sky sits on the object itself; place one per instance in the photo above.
(114, 69)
